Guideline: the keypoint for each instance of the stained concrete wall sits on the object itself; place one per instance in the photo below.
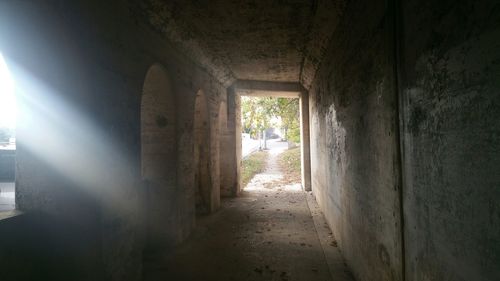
(159, 160)
(82, 66)
(435, 65)
(451, 99)
(354, 149)
(203, 181)
(227, 151)
(230, 154)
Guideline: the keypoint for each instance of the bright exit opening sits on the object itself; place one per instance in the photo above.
(7, 137)
(270, 143)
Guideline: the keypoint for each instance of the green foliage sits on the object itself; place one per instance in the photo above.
(256, 114)
(289, 162)
(253, 164)
(288, 111)
(259, 113)
(293, 134)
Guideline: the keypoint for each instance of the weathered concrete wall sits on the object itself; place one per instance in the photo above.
(82, 65)
(451, 97)
(230, 154)
(305, 146)
(447, 77)
(226, 151)
(354, 141)
(201, 154)
(159, 160)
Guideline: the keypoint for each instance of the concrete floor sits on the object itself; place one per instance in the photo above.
(274, 231)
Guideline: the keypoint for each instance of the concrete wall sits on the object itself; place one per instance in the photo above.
(230, 154)
(82, 67)
(159, 160)
(354, 147)
(451, 100)
(439, 62)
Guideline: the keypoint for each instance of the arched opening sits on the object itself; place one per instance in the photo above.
(201, 132)
(158, 159)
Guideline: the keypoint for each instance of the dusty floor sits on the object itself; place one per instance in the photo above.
(274, 231)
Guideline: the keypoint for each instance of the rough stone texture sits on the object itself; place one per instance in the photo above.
(450, 88)
(354, 142)
(327, 14)
(255, 40)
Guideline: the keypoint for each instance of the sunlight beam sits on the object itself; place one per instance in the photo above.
(7, 97)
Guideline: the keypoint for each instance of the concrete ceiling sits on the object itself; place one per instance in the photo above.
(273, 40)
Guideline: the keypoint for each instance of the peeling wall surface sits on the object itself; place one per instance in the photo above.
(451, 90)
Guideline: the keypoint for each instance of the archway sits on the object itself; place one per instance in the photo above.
(158, 158)
(201, 133)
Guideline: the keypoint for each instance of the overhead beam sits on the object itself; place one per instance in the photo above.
(268, 88)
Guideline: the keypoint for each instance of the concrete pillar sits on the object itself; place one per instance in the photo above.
(305, 147)
(231, 156)
(225, 151)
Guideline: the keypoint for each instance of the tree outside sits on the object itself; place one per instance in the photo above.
(259, 114)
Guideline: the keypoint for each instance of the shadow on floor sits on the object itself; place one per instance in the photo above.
(40, 247)
(263, 235)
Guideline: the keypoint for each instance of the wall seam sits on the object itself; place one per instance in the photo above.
(397, 47)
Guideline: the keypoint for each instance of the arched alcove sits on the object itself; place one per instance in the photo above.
(201, 133)
(158, 158)
(157, 126)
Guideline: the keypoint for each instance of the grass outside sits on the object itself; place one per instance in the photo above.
(253, 164)
(289, 162)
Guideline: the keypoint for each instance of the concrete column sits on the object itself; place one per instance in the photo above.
(305, 147)
(231, 156)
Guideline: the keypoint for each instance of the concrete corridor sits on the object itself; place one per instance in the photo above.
(128, 127)
(273, 231)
